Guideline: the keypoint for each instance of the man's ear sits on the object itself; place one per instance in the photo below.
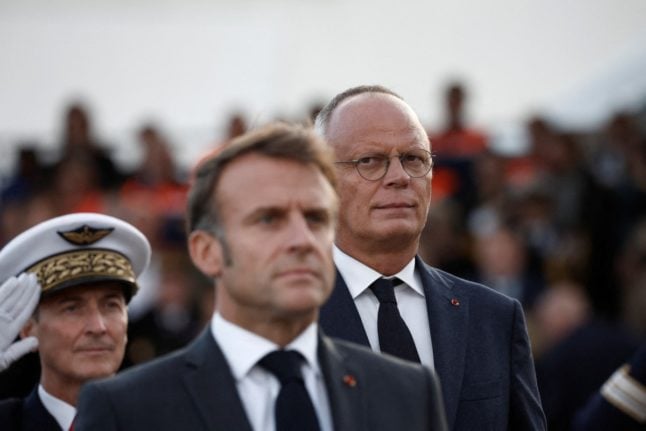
(29, 329)
(206, 252)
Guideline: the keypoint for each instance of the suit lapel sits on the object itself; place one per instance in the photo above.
(35, 416)
(209, 382)
(448, 317)
(339, 316)
(343, 382)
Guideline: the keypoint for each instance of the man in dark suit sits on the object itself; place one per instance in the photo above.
(474, 337)
(261, 218)
(85, 266)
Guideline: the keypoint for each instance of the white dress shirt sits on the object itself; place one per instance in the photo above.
(62, 412)
(410, 297)
(257, 387)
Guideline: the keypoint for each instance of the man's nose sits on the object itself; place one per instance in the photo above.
(395, 173)
(95, 321)
(300, 235)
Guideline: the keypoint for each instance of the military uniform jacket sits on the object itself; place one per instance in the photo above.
(28, 414)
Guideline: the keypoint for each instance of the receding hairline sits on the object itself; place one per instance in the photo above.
(322, 121)
(351, 109)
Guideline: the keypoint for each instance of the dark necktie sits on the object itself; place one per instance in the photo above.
(394, 335)
(294, 410)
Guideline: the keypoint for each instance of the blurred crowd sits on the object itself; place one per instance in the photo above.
(562, 228)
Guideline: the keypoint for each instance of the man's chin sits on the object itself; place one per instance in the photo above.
(97, 369)
(397, 232)
(305, 300)
(97, 373)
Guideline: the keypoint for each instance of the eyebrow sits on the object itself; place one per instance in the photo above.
(276, 210)
(67, 298)
(319, 210)
(265, 210)
(253, 216)
(115, 294)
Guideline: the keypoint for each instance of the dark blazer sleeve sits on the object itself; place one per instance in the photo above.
(525, 410)
(600, 415)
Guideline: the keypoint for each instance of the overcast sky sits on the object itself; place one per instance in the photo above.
(186, 64)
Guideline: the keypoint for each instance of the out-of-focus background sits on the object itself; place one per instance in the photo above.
(189, 65)
(536, 111)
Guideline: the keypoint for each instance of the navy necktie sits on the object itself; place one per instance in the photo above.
(294, 410)
(394, 336)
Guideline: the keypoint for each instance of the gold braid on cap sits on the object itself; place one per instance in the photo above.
(62, 268)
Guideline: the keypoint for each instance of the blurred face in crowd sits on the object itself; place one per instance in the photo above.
(273, 259)
(391, 211)
(81, 334)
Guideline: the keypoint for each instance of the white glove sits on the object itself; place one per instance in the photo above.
(18, 299)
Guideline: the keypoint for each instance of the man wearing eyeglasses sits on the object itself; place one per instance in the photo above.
(387, 298)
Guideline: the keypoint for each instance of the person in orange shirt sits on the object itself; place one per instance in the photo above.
(454, 148)
(457, 140)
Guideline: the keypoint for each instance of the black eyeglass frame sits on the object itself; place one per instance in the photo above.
(387, 160)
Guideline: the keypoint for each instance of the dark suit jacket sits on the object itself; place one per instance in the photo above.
(28, 414)
(480, 347)
(194, 389)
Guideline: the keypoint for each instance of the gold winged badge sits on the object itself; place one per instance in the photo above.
(85, 235)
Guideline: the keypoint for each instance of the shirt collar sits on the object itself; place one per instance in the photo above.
(358, 276)
(243, 349)
(59, 409)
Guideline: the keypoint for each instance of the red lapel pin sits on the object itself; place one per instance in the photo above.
(455, 302)
(349, 380)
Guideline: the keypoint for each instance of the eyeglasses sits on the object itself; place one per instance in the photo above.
(416, 163)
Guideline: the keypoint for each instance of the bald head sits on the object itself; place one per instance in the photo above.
(323, 118)
(370, 114)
